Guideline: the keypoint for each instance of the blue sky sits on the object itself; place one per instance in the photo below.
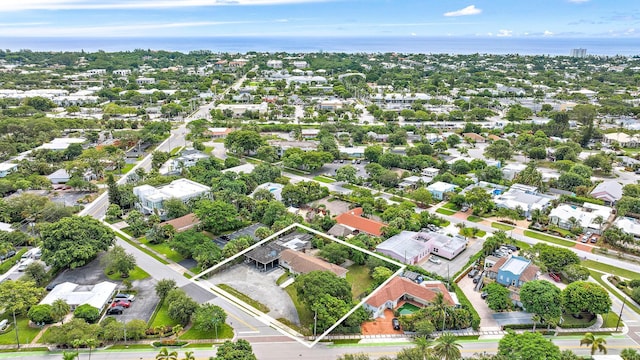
(188, 18)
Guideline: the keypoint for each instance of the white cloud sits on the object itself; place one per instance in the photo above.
(414, 34)
(109, 30)
(469, 10)
(578, 1)
(135, 4)
(547, 33)
(504, 33)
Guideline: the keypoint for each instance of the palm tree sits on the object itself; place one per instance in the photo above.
(599, 220)
(447, 348)
(91, 343)
(189, 356)
(67, 355)
(59, 309)
(441, 306)
(424, 346)
(76, 343)
(164, 354)
(536, 319)
(596, 343)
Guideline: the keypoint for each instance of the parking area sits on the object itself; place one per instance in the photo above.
(448, 268)
(331, 168)
(92, 273)
(487, 322)
(380, 326)
(336, 207)
(250, 230)
(260, 286)
(144, 304)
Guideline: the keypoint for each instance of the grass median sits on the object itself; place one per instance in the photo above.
(503, 227)
(549, 238)
(444, 211)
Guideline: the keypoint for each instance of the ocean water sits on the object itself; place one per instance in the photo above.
(428, 45)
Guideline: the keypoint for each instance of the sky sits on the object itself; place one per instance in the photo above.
(326, 18)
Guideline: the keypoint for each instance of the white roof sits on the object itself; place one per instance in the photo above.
(585, 215)
(609, 187)
(6, 227)
(274, 188)
(244, 168)
(60, 173)
(440, 186)
(97, 295)
(61, 143)
(7, 166)
(181, 189)
(515, 265)
(628, 225)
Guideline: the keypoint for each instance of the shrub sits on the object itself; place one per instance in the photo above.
(40, 314)
(87, 312)
(634, 283)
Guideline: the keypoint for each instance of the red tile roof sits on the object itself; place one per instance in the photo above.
(400, 286)
(302, 263)
(353, 218)
(183, 223)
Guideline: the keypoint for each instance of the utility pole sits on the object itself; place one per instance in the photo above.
(315, 322)
(624, 302)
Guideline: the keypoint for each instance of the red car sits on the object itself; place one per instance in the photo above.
(555, 277)
(124, 304)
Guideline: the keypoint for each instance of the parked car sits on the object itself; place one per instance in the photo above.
(585, 239)
(116, 310)
(594, 239)
(8, 255)
(505, 250)
(464, 209)
(435, 260)
(510, 247)
(124, 303)
(477, 278)
(589, 233)
(396, 323)
(484, 295)
(473, 273)
(51, 286)
(122, 296)
(555, 277)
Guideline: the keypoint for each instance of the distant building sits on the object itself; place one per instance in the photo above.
(218, 133)
(584, 216)
(145, 81)
(183, 223)
(283, 145)
(274, 188)
(151, 199)
(624, 140)
(300, 64)
(629, 226)
(439, 189)
(74, 295)
(579, 53)
(7, 168)
(275, 64)
(244, 168)
(510, 171)
(298, 262)
(61, 144)
(412, 247)
(122, 72)
(513, 271)
(523, 197)
(608, 191)
(401, 289)
(353, 219)
(187, 159)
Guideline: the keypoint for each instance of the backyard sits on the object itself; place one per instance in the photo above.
(360, 280)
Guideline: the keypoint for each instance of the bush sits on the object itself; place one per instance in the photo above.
(634, 283)
(40, 314)
(475, 318)
(87, 312)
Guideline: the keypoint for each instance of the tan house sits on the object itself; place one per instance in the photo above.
(474, 137)
(301, 263)
(402, 289)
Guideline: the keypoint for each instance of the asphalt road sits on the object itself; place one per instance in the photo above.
(292, 350)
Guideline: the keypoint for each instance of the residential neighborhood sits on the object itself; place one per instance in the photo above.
(196, 198)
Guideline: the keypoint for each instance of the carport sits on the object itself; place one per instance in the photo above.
(265, 256)
(513, 318)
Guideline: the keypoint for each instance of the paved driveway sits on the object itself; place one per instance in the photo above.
(260, 286)
(513, 317)
(487, 322)
(146, 301)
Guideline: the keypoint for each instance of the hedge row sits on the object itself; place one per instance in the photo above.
(475, 318)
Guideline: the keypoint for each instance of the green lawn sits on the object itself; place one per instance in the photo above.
(135, 274)
(597, 276)
(25, 333)
(474, 218)
(608, 269)
(501, 226)
(323, 179)
(127, 167)
(163, 249)
(549, 238)
(610, 320)
(349, 186)
(243, 297)
(444, 211)
(224, 332)
(305, 315)
(451, 206)
(162, 318)
(143, 249)
(359, 278)
(571, 322)
(522, 245)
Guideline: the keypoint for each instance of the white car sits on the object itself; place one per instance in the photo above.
(435, 260)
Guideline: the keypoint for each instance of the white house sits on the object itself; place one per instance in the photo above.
(60, 176)
(122, 72)
(510, 171)
(628, 225)
(608, 191)
(150, 199)
(188, 158)
(584, 216)
(439, 189)
(145, 81)
(301, 64)
(275, 64)
(7, 168)
(97, 295)
(61, 144)
(523, 197)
